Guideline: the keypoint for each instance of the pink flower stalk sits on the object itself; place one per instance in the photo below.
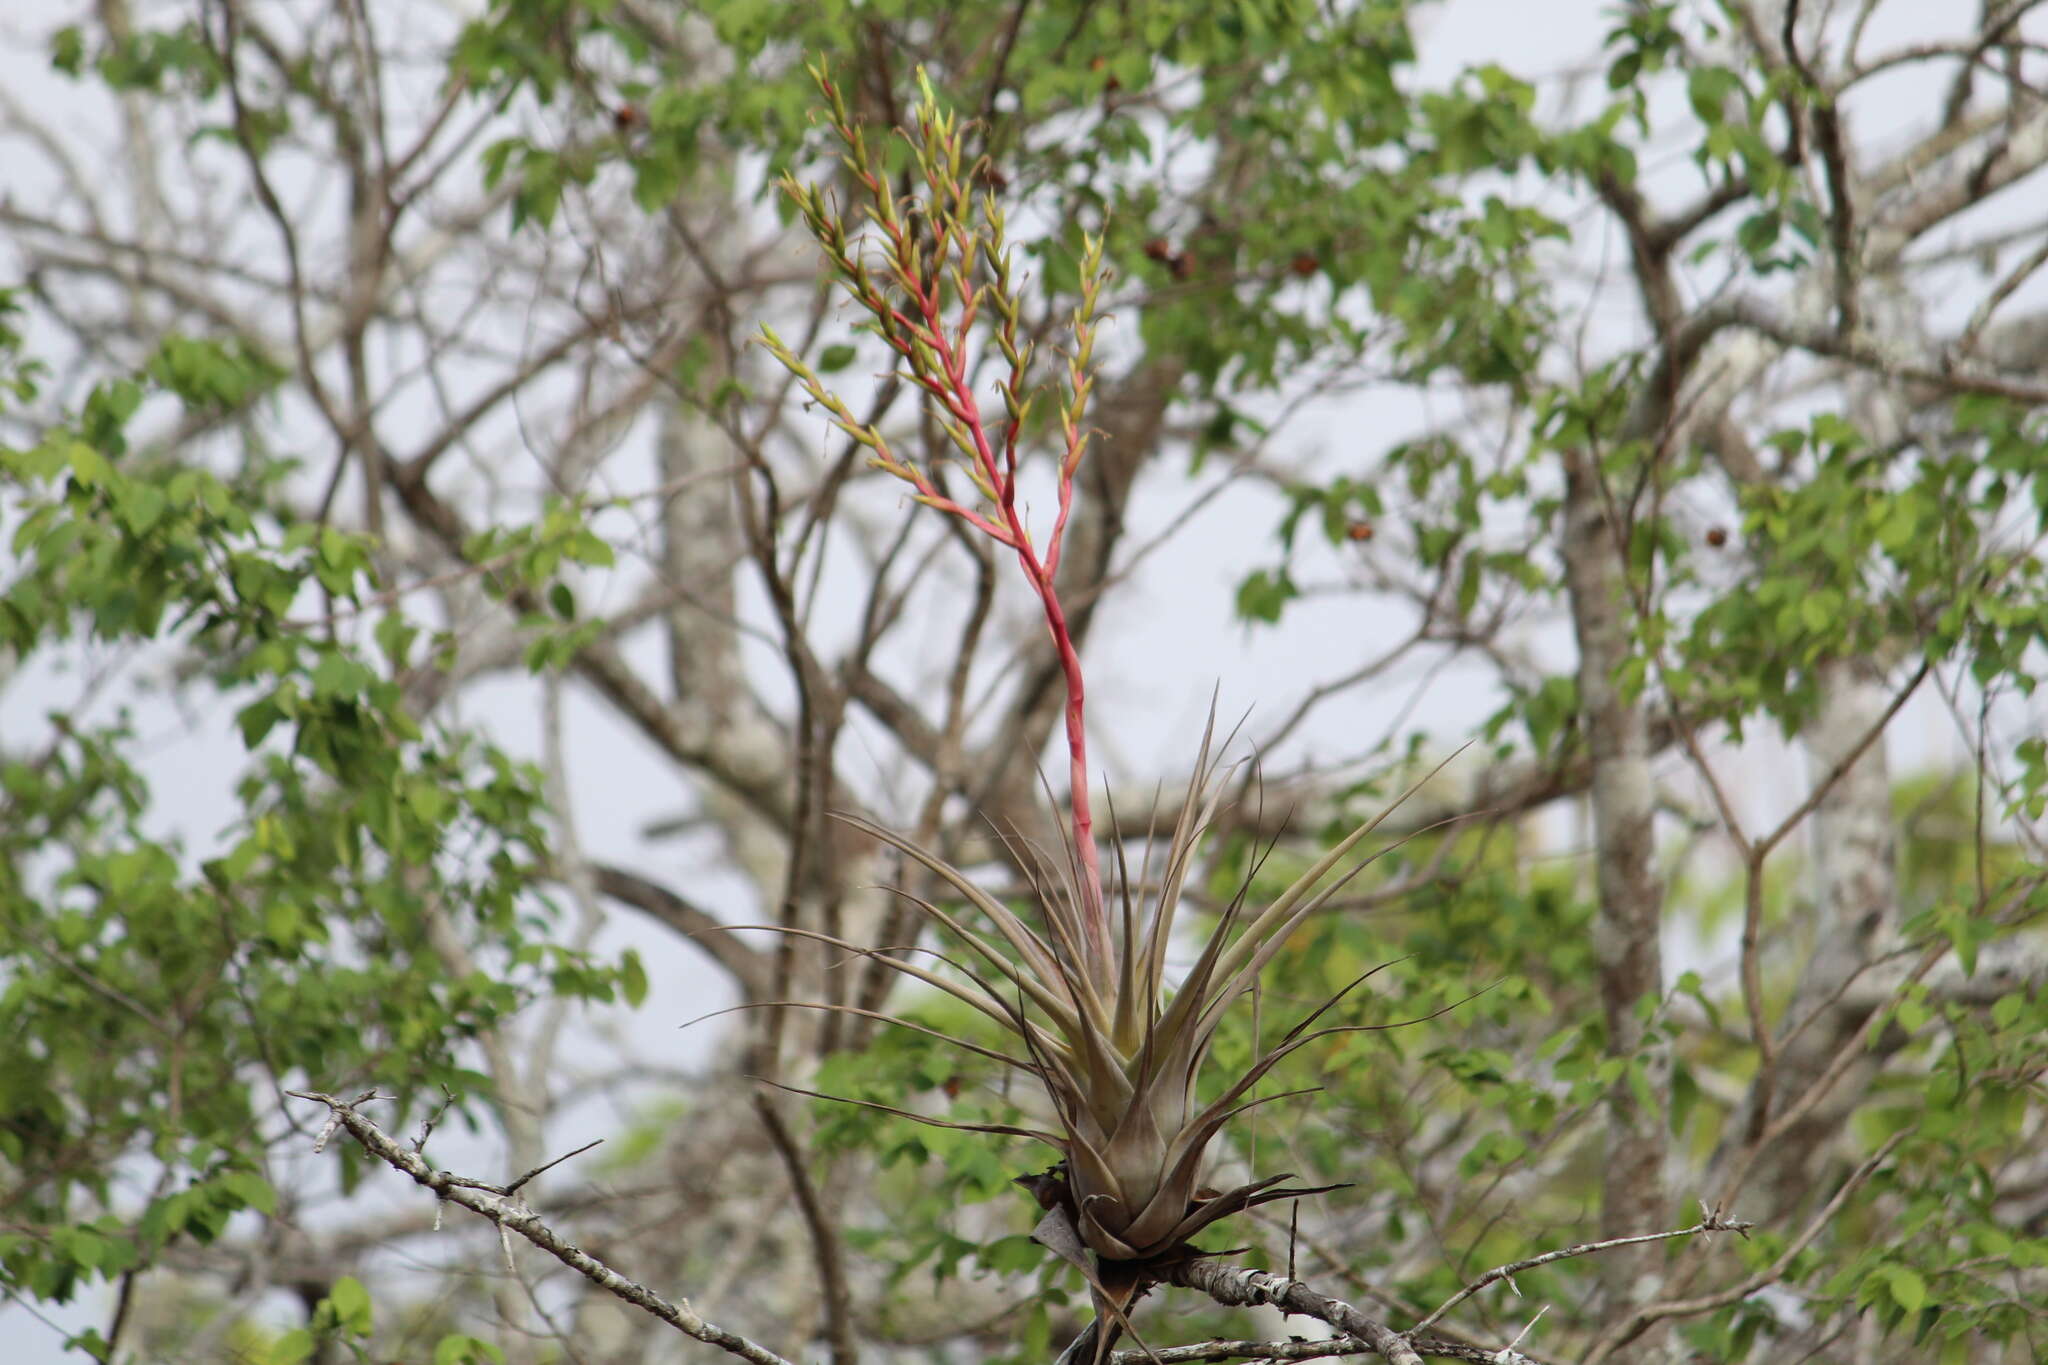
(1120, 1053)
(937, 257)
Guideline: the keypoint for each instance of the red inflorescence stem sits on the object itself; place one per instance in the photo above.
(936, 359)
(960, 401)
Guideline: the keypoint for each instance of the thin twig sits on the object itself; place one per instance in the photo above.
(511, 1214)
(513, 1188)
(825, 1247)
(1712, 1223)
(1623, 1333)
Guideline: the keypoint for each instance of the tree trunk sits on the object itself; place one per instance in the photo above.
(1626, 941)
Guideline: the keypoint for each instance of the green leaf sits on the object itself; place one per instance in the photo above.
(1264, 594)
(833, 359)
(256, 719)
(1908, 1288)
(143, 506)
(251, 1189)
(1013, 1255)
(87, 465)
(67, 50)
(351, 1305)
(1468, 585)
(657, 179)
(458, 1349)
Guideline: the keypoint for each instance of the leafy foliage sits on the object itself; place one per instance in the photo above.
(158, 1000)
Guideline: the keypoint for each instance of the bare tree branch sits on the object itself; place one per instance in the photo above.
(502, 1207)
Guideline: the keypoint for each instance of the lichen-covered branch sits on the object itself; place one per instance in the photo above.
(501, 1205)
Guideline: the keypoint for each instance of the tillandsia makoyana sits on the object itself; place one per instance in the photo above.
(1082, 987)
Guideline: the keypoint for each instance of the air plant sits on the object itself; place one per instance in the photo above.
(1082, 988)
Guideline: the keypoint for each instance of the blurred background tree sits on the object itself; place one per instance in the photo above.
(428, 620)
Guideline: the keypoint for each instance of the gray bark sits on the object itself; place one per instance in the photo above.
(1626, 940)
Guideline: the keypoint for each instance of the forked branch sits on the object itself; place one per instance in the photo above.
(503, 1206)
(1710, 1222)
(1244, 1287)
